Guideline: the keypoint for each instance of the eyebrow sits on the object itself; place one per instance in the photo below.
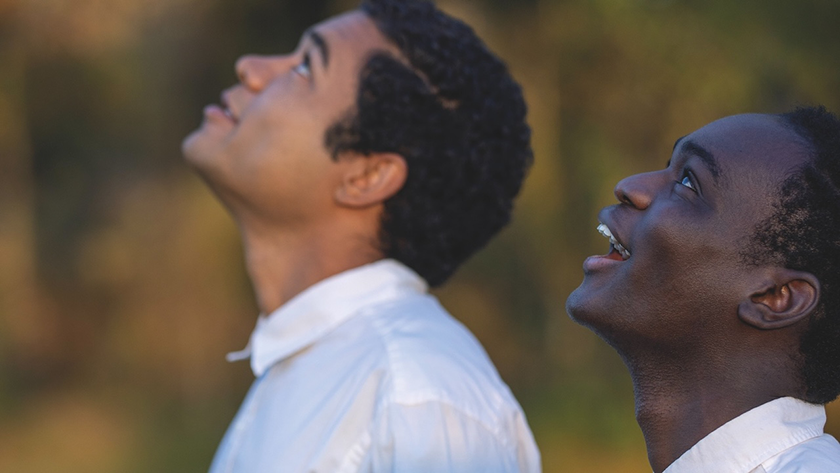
(691, 147)
(321, 44)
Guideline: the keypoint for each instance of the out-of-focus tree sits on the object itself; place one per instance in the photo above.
(121, 280)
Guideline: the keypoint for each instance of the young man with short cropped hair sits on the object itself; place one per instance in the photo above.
(720, 292)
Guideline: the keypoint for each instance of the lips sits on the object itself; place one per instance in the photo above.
(615, 244)
(216, 113)
(225, 107)
(229, 114)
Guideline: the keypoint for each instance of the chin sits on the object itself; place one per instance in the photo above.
(588, 310)
(576, 306)
(192, 148)
(203, 157)
(609, 322)
(202, 153)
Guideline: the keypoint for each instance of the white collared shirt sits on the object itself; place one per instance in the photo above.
(782, 436)
(365, 371)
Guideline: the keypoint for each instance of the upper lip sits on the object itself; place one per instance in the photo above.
(613, 234)
(226, 106)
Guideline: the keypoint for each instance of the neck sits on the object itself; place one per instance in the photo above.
(282, 264)
(680, 403)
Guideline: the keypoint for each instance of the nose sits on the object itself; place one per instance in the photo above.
(256, 72)
(639, 190)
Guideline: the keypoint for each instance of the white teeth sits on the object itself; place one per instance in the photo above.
(605, 230)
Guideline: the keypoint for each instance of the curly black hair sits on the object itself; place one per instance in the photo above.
(457, 117)
(803, 233)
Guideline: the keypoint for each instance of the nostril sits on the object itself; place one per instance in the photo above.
(622, 196)
(239, 67)
(638, 191)
(244, 68)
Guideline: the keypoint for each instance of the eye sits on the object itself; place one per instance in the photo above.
(688, 181)
(304, 67)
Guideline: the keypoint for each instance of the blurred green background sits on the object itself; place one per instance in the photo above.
(121, 278)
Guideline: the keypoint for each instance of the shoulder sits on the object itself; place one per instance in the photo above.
(424, 356)
(441, 403)
(433, 357)
(437, 436)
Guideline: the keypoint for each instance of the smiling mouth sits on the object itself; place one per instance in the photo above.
(615, 246)
(229, 114)
(226, 109)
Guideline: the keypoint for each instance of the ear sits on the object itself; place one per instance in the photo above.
(370, 179)
(786, 298)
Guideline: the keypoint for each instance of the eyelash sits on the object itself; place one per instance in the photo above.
(691, 181)
(304, 68)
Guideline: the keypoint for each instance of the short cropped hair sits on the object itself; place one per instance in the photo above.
(803, 233)
(457, 117)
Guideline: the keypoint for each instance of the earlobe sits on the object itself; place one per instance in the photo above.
(789, 297)
(371, 179)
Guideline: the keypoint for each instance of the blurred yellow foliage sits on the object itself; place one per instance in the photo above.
(121, 279)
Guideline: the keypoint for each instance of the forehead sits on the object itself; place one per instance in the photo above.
(353, 36)
(755, 154)
(753, 146)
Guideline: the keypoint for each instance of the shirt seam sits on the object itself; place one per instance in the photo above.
(490, 429)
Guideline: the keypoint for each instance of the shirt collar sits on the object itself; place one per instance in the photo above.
(322, 307)
(748, 440)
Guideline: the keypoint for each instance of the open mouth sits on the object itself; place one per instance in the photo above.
(226, 109)
(617, 250)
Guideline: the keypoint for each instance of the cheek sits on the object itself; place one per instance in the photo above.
(277, 136)
(688, 265)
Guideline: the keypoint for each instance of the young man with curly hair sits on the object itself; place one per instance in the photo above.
(362, 168)
(721, 292)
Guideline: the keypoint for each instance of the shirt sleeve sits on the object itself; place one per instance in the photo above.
(438, 437)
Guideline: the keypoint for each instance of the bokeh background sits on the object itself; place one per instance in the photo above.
(121, 278)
